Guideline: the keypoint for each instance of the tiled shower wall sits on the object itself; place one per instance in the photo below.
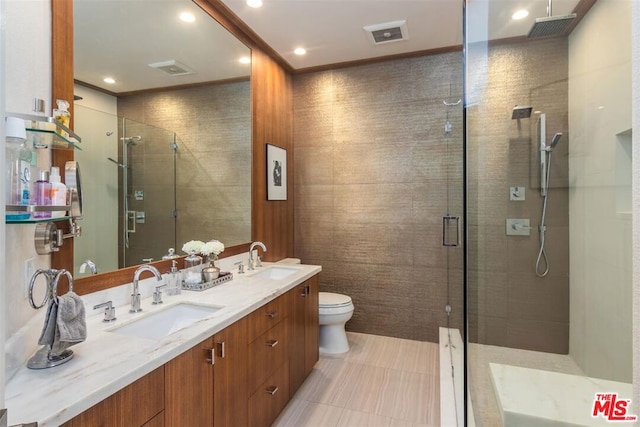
(213, 126)
(509, 305)
(374, 174)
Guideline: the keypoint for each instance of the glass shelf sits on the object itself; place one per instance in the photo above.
(36, 220)
(48, 132)
(45, 138)
(34, 208)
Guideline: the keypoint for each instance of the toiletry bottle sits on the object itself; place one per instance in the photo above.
(42, 195)
(62, 115)
(58, 192)
(18, 169)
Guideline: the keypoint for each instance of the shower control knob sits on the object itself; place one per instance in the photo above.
(518, 227)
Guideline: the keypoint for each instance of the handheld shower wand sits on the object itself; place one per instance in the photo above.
(545, 171)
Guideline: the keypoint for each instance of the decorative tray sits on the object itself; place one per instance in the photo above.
(203, 286)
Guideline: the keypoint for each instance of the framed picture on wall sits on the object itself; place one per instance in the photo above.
(276, 173)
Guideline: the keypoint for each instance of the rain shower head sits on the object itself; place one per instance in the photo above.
(521, 112)
(555, 140)
(550, 26)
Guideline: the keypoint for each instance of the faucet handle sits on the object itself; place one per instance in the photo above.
(258, 261)
(240, 265)
(109, 311)
(157, 295)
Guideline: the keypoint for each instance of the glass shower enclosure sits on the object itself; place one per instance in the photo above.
(129, 189)
(548, 194)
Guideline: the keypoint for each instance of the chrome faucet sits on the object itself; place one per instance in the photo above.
(135, 295)
(91, 265)
(255, 263)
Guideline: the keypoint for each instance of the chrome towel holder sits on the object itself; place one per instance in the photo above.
(53, 277)
(44, 358)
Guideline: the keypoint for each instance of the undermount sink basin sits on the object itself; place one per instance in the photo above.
(276, 272)
(158, 325)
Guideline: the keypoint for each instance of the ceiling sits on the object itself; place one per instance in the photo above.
(332, 30)
(121, 37)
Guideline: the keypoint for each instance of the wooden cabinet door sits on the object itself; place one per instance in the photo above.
(230, 376)
(312, 327)
(103, 414)
(304, 332)
(133, 406)
(298, 299)
(189, 387)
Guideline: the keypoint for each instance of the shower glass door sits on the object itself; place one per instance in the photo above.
(548, 167)
(147, 192)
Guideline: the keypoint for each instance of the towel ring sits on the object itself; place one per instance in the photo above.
(50, 275)
(54, 288)
(53, 277)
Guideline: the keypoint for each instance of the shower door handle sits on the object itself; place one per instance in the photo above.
(450, 225)
(131, 221)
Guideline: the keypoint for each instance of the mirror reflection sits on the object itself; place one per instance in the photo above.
(167, 157)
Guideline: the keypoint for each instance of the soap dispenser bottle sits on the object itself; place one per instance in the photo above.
(174, 285)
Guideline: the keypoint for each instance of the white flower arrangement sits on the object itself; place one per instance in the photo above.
(192, 246)
(212, 247)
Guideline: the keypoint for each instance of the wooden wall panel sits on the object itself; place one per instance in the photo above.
(272, 221)
(62, 88)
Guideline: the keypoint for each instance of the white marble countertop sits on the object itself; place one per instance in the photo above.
(107, 362)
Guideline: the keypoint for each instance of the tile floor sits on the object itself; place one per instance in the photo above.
(381, 381)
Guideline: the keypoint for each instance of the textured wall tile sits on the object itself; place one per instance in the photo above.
(384, 124)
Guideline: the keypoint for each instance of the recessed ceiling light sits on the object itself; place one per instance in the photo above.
(300, 51)
(187, 17)
(520, 14)
(109, 80)
(254, 3)
(245, 60)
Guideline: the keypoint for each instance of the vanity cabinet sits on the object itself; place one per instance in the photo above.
(242, 376)
(304, 331)
(138, 404)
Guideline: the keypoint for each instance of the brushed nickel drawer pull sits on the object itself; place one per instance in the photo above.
(272, 343)
(221, 352)
(211, 360)
(272, 390)
(272, 315)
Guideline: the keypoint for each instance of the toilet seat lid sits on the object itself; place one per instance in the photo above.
(329, 299)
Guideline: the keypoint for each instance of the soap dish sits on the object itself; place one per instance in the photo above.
(203, 286)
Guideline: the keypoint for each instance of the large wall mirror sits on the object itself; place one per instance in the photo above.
(166, 154)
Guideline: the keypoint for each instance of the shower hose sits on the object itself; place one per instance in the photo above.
(542, 255)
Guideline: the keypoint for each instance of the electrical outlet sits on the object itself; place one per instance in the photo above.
(29, 271)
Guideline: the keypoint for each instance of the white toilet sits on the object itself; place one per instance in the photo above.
(335, 310)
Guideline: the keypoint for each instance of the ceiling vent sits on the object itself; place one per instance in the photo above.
(172, 67)
(386, 33)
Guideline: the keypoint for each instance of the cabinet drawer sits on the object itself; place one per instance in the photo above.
(270, 398)
(267, 316)
(267, 353)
